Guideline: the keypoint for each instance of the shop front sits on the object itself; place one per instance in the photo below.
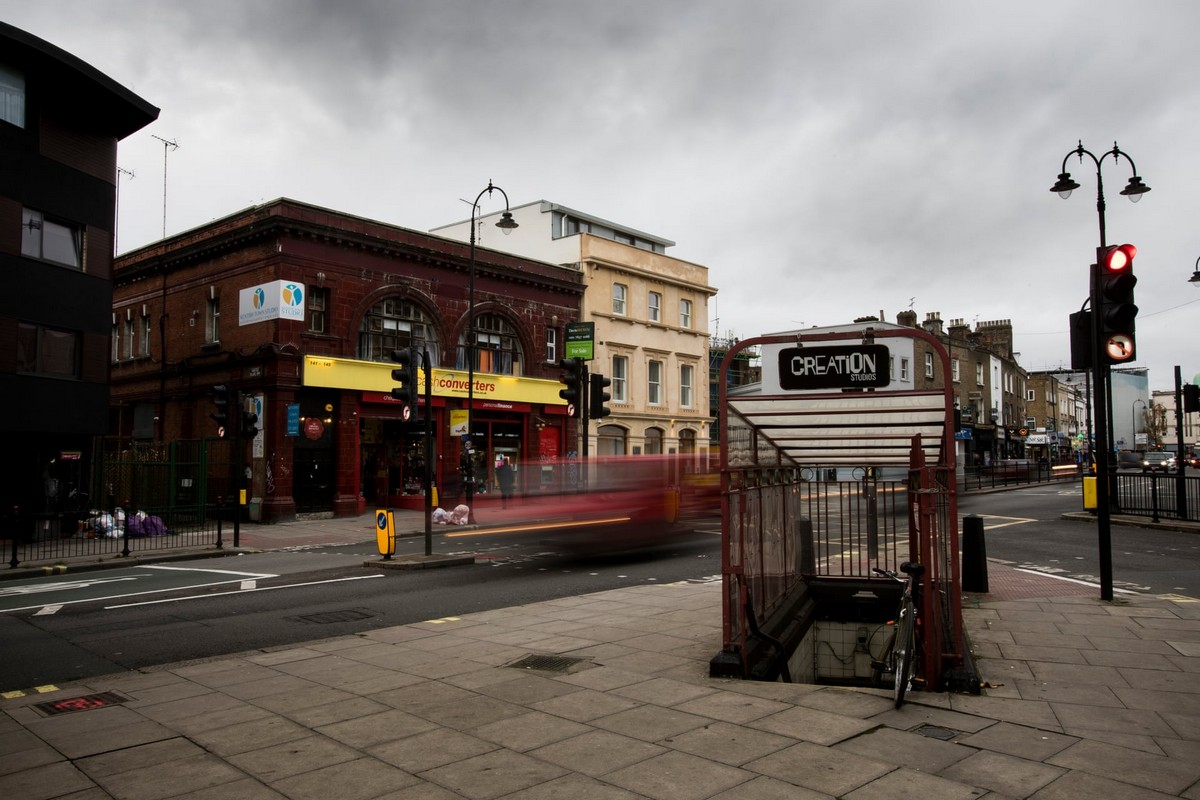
(516, 422)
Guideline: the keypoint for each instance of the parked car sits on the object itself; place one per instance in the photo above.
(1155, 461)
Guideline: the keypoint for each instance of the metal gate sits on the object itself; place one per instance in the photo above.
(823, 485)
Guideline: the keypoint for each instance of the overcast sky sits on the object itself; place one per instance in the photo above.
(825, 160)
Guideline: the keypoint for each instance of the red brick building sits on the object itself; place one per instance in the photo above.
(299, 308)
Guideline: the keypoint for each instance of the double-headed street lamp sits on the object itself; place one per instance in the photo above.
(1100, 371)
(505, 224)
(1195, 279)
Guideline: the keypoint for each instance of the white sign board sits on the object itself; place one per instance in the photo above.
(267, 301)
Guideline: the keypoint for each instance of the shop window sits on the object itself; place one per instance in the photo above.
(611, 440)
(654, 442)
(395, 324)
(687, 442)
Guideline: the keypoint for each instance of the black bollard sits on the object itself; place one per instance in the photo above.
(974, 556)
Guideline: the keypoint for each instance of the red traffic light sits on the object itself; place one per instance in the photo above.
(1117, 258)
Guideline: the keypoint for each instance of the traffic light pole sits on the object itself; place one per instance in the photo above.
(1100, 398)
(1181, 502)
(428, 477)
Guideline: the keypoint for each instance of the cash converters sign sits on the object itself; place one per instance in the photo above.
(267, 301)
(859, 367)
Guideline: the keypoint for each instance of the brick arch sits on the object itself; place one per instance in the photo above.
(436, 320)
(510, 315)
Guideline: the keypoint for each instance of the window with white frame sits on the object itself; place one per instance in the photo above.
(316, 307)
(654, 307)
(129, 339)
(620, 295)
(115, 355)
(979, 374)
(212, 321)
(49, 239)
(685, 313)
(903, 369)
(955, 370)
(654, 375)
(929, 365)
(144, 344)
(685, 385)
(551, 345)
(395, 324)
(620, 379)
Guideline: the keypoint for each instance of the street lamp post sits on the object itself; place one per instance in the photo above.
(505, 224)
(1100, 370)
(1195, 279)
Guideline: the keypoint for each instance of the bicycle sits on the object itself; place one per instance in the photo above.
(900, 655)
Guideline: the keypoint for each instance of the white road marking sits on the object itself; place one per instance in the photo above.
(240, 591)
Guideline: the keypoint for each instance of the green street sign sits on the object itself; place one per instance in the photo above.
(581, 337)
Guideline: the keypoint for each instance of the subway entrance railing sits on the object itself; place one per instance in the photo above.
(827, 471)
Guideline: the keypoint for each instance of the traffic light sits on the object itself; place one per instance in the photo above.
(1118, 312)
(406, 376)
(1081, 340)
(249, 418)
(598, 397)
(222, 394)
(573, 376)
(1191, 398)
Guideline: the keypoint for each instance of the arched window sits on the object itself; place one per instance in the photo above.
(497, 348)
(394, 324)
(654, 442)
(610, 441)
(687, 441)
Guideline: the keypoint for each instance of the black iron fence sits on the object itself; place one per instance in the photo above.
(140, 496)
(1158, 496)
(1015, 472)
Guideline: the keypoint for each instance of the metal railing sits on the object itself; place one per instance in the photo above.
(1158, 496)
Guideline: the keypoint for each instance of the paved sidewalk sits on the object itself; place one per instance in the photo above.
(607, 696)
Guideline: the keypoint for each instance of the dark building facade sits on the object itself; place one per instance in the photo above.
(299, 308)
(60, 122)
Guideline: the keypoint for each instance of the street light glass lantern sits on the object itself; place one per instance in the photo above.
(1064, 185)
(507, 223)
(1135, 189)
(1195, 279)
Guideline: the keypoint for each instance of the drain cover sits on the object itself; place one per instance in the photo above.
(85, 703)
(546, 663)
(934, 732)
(330, 617)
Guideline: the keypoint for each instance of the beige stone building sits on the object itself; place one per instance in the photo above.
(651, 322)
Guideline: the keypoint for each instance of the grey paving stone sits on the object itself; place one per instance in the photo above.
(470, 712)
(421, 696)
(1007, 775)
(1034, 713)
(602, 678)
(361, 779)
(585, 705)
(529, 731)
(183, 776)
(431, 749)
(316, 716)
(1129, 766)
(905, 784)
(289, 701)
(27, 756)
(810, 766)
(201, 713)
(373, 729)
(245, 789)
(231, 673)
(575, 787)
(731, 706)
(1125, 659)
(1077, 785)
(729, 744)
(1055, 655)
(493, 774)
(595, 753)
(524, 689)
(1161, 680)
(813, 725)
(1019, 740)
(765, 788)
(904, 749)
(662, 691)
(1078, 673)
(1068, 692)
(274, 763)
(252, 735)
(650, 723)
(424, 790)
(265, 687)
(677, 776)
(157, 753)
(1121, 720)
(910, 717)
(846, 702)
(646, 663)
(44, 782)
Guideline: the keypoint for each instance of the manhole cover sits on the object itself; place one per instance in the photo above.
(85, 703)
(934, 732)
(546, 663)
(329, 617)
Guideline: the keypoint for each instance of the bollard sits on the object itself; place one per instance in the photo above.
(974, 556)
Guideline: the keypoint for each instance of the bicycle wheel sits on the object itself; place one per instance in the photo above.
(905, 651)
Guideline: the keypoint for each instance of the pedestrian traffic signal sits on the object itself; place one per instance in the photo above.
(406, 376)
(1117, 311)
(224, 397)
(574, 378)
(598, 397)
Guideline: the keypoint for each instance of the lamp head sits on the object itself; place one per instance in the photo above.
(1135, 189)
(507, 223)
(1064, 185)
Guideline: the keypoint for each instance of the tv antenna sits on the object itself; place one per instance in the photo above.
(168, 144)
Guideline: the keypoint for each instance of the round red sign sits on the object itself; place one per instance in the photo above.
(314, 428)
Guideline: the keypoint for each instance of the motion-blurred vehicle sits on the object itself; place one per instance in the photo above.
(1158, 461)
(1191, 460)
